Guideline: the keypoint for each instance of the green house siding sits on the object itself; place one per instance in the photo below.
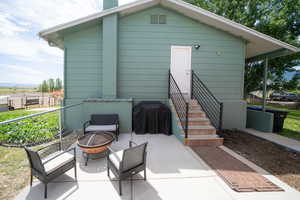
(144, 55)
(83, 64)
(142, 51)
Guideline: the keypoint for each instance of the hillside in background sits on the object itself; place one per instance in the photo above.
(18, 85)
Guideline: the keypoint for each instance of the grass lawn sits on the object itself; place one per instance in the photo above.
(291, 127)
(14, 171)
(11, 90)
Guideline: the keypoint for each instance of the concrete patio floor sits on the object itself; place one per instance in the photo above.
(174, 172)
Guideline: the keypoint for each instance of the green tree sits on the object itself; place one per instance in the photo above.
(293, 84)
(44, 86)
(51, 85)
(277, 18)
(58, 84)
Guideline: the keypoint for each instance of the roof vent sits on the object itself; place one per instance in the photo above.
(158, 19)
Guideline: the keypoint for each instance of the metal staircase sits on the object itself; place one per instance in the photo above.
(198, 127)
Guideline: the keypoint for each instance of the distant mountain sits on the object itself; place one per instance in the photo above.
(18, 85)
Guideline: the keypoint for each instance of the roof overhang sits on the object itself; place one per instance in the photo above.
(258, 44)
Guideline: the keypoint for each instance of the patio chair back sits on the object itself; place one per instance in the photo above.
(134, 156)
(35, 160)
(103, 119)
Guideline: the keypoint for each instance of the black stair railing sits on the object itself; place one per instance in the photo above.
(180, 104)
(209, 103)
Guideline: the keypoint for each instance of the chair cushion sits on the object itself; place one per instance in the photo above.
(57, 162)
(116, 158)
(101, 128)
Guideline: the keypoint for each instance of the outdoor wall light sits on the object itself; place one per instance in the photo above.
(197, 46)
(51, 44)
(218, 53)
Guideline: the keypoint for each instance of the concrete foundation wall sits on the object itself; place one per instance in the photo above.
(234, 114)
(176, 128)
(76, 116)
(262, 121)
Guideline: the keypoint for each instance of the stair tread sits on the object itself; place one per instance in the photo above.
(198, 119)
(203, 137)
(201, 127)
(196, 111)
(195, 105)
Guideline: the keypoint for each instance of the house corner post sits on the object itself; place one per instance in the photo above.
(110, 56)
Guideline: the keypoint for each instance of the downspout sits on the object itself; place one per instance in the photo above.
(265, 84)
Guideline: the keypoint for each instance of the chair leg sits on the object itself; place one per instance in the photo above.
(145, 174)
(31, 177)
(75, 171)
(117, 135)
(108, 174)
(120, 187)
(45, 191)
(87, 159)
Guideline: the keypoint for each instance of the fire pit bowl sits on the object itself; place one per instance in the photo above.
(95, 144)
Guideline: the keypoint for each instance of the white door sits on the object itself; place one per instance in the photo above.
(181, 57)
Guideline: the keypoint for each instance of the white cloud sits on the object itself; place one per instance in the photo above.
(9, 28)
(28, 73)
(28, 49)
(21, 50)
(24, 69)
(52, 12)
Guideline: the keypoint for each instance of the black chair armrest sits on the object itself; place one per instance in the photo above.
(85, 124)
(132, 142)
(110, 150)
(71, 149)
(40, 149)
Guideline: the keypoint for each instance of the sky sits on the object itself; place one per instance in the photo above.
(24, 57)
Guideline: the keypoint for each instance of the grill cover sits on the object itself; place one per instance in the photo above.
(151, 117)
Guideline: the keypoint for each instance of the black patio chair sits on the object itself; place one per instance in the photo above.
(127, 162)
(48, 168)
(103, 122)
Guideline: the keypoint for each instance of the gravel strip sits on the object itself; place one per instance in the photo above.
(273, 158)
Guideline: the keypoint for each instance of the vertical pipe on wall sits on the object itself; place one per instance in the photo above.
(192, 84)
(65, 74)
(60, 127)
(169, 84)
(265, 84)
